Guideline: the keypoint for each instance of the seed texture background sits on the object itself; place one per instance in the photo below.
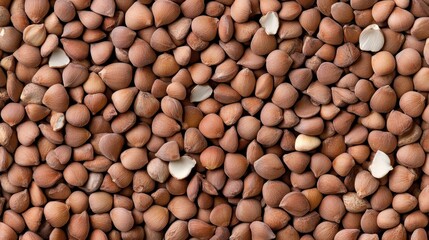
(214, 120)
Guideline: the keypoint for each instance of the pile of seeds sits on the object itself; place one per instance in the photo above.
(220, 119)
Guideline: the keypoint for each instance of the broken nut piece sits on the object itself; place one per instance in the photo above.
(371, 39)
(380, 165)
(270, 22)
(306, 143)
(181, 168)
(200, 93)
(58, 59)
